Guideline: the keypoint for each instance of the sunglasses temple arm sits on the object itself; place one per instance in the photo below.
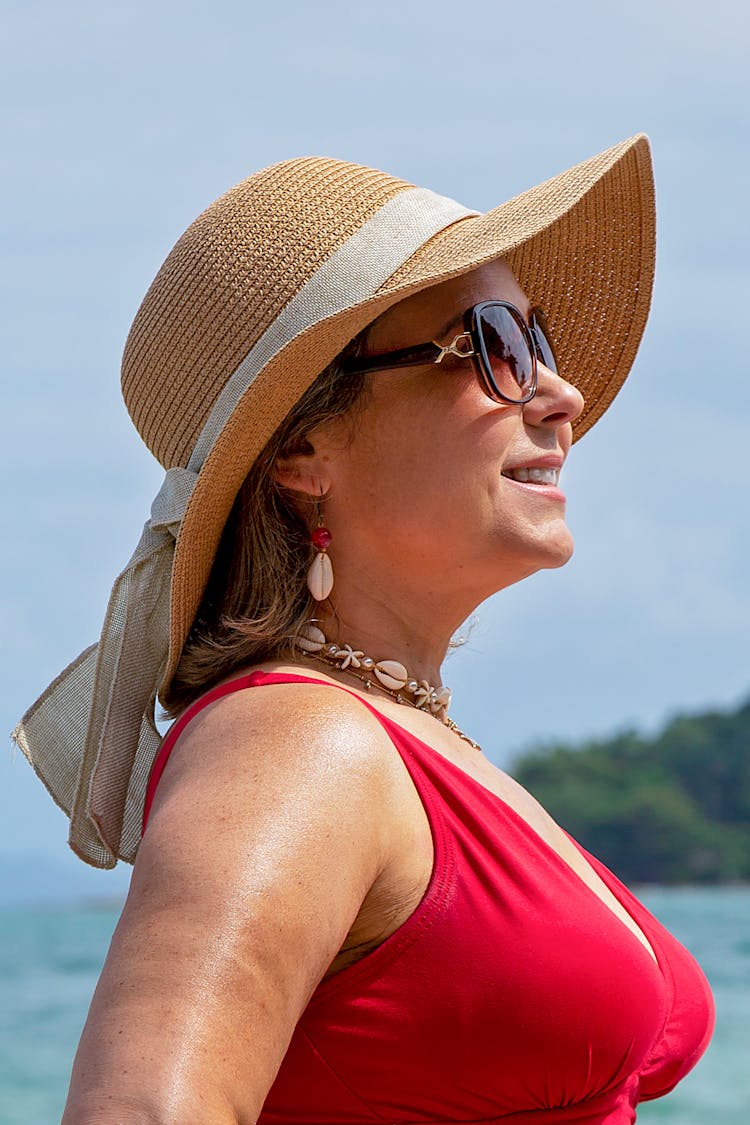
(404, 357)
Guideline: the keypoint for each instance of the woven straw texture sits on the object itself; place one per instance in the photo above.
(226, 280)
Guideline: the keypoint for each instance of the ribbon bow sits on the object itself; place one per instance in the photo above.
(91, 736)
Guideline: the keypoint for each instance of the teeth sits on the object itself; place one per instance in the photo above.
(543, 476)
(535, 476)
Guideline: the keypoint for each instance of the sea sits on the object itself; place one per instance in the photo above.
(50, 958)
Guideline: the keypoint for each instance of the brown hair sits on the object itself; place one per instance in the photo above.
(257, 599)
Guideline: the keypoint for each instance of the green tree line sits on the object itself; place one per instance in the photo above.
(674, 808)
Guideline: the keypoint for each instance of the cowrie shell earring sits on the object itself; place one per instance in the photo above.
(320, 574)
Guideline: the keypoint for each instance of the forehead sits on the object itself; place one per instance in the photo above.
(435, 310)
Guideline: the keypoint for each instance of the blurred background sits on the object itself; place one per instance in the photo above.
(121, 122)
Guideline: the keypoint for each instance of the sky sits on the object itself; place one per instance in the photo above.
(122, 121)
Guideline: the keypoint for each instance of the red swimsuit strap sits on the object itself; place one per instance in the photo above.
(252, 679)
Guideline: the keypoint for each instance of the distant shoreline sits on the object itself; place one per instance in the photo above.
(106, 904)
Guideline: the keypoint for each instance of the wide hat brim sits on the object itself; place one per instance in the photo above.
(582, 246)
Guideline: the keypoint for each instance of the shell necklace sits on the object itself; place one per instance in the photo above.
(389, 675)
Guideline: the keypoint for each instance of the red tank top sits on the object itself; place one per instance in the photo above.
(512, 994)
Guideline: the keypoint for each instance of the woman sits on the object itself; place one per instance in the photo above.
(340, 910)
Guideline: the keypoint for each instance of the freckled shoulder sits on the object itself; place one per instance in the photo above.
(293, 732)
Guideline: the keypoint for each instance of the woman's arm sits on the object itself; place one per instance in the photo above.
(270, 826)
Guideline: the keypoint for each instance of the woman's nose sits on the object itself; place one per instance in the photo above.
(555, 402)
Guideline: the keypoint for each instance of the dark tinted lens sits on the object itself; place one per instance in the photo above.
(506, 352)
(540, 331)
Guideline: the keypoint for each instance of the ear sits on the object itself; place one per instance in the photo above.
(305, 473)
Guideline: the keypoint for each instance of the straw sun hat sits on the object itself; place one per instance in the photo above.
(259, 294)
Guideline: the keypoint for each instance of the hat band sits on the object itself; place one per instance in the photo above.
(352, 274)
(91, 736)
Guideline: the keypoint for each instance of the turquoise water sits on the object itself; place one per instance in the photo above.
(714, 924)
(49, 963)
(50, 959)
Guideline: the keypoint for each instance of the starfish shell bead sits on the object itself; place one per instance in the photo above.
(348, 655)
(422, 695)
(440, 700)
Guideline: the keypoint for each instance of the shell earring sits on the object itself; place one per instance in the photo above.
(320, 574)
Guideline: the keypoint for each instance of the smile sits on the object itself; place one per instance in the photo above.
(533, 476)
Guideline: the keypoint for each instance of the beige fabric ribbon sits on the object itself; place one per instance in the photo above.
(84, 722)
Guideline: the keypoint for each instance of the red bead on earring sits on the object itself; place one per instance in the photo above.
(321, 538)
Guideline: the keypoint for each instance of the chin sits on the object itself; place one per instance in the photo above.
(549, 556)
(536, 548)
(553, 550)
(559, 551)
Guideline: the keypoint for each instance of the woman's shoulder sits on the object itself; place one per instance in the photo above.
(258, 721)
(284, 701)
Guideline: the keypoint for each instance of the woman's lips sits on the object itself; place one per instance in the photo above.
(545, 485)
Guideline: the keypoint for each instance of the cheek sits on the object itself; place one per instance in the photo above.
(448, 476)
(405, 443)
(430, 450)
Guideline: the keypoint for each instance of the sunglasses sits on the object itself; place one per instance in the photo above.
(504, 348)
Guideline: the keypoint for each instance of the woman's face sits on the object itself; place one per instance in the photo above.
(424, 479)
